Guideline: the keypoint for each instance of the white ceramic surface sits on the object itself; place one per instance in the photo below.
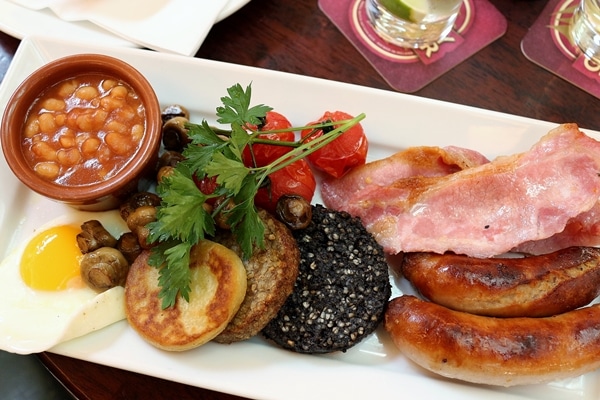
(254, 368)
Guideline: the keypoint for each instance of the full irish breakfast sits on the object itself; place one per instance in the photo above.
(228, 244)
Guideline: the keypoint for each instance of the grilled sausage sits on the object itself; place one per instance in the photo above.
(495, 351)
(537, 286)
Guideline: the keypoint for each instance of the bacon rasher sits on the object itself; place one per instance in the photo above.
(482, 211)
(583, 230)
(414, 161)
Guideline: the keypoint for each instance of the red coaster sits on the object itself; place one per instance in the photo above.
(548, 44)
(408, 70)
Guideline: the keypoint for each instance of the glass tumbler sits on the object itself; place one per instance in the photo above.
(413, 23)
(585, 28)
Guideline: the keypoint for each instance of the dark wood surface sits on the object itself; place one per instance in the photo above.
(295, 36)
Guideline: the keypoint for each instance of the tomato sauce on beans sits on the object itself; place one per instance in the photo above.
(83, 130)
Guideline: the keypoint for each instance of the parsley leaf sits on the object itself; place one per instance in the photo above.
(174, 273)
(181, 215)
(203, 134)
(230, 173)
(237, 109)
(246, 225)
(184, 219)
(239, 139)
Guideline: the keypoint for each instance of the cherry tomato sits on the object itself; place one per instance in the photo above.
(207, 185)
(264, 154)
(346, 152)
(297, 178)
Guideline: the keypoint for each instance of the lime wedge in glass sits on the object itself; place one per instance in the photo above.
(410, 10)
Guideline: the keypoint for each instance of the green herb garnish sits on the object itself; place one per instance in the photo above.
(183, 221)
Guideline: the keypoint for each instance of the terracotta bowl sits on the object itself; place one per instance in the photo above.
(97, 193)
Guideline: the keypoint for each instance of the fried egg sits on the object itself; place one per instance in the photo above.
(44, 300)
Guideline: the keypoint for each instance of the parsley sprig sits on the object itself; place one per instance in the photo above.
(182, 220)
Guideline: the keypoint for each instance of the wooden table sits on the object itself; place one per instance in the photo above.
(295, 36)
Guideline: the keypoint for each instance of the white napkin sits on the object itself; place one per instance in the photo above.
(173, 26)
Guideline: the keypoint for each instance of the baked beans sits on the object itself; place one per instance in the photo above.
(83, 130)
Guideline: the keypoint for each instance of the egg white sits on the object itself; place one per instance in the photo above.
(32, 321)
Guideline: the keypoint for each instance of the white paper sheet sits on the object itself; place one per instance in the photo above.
(172, 26)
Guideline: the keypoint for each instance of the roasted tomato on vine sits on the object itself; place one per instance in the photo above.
(259, 155)
(344, 153)
(297, 178)
(207, 185)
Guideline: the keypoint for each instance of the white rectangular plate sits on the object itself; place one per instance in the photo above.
(255, 368)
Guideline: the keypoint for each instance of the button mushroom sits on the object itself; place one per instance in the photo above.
(175, 134)
(170, 158)
(172, 111)
(104, 268)
(129, 246)
(167, 162)
(137, 200)
(164, 172)
(294, 211)
(93, 236)
(137, 222)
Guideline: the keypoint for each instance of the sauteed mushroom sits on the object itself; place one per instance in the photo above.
(167, 162)
(294, 211)
(174, 110)
(164, 172)
(137, 200)
(129, 246)
(104, 268)
(93, 236)
(175, 135)
(137, 222)
(170, 158)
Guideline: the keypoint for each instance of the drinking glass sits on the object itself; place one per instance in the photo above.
(413, 23)
(585, 28)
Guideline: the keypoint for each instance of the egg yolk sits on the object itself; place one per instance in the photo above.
(50, 260)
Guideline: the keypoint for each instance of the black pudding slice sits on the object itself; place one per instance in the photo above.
(341, 291)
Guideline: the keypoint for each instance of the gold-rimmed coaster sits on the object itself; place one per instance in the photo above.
(548, 45)
(407, 70)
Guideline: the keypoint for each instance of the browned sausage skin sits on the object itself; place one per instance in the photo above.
(495, 351)
(536, 286)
